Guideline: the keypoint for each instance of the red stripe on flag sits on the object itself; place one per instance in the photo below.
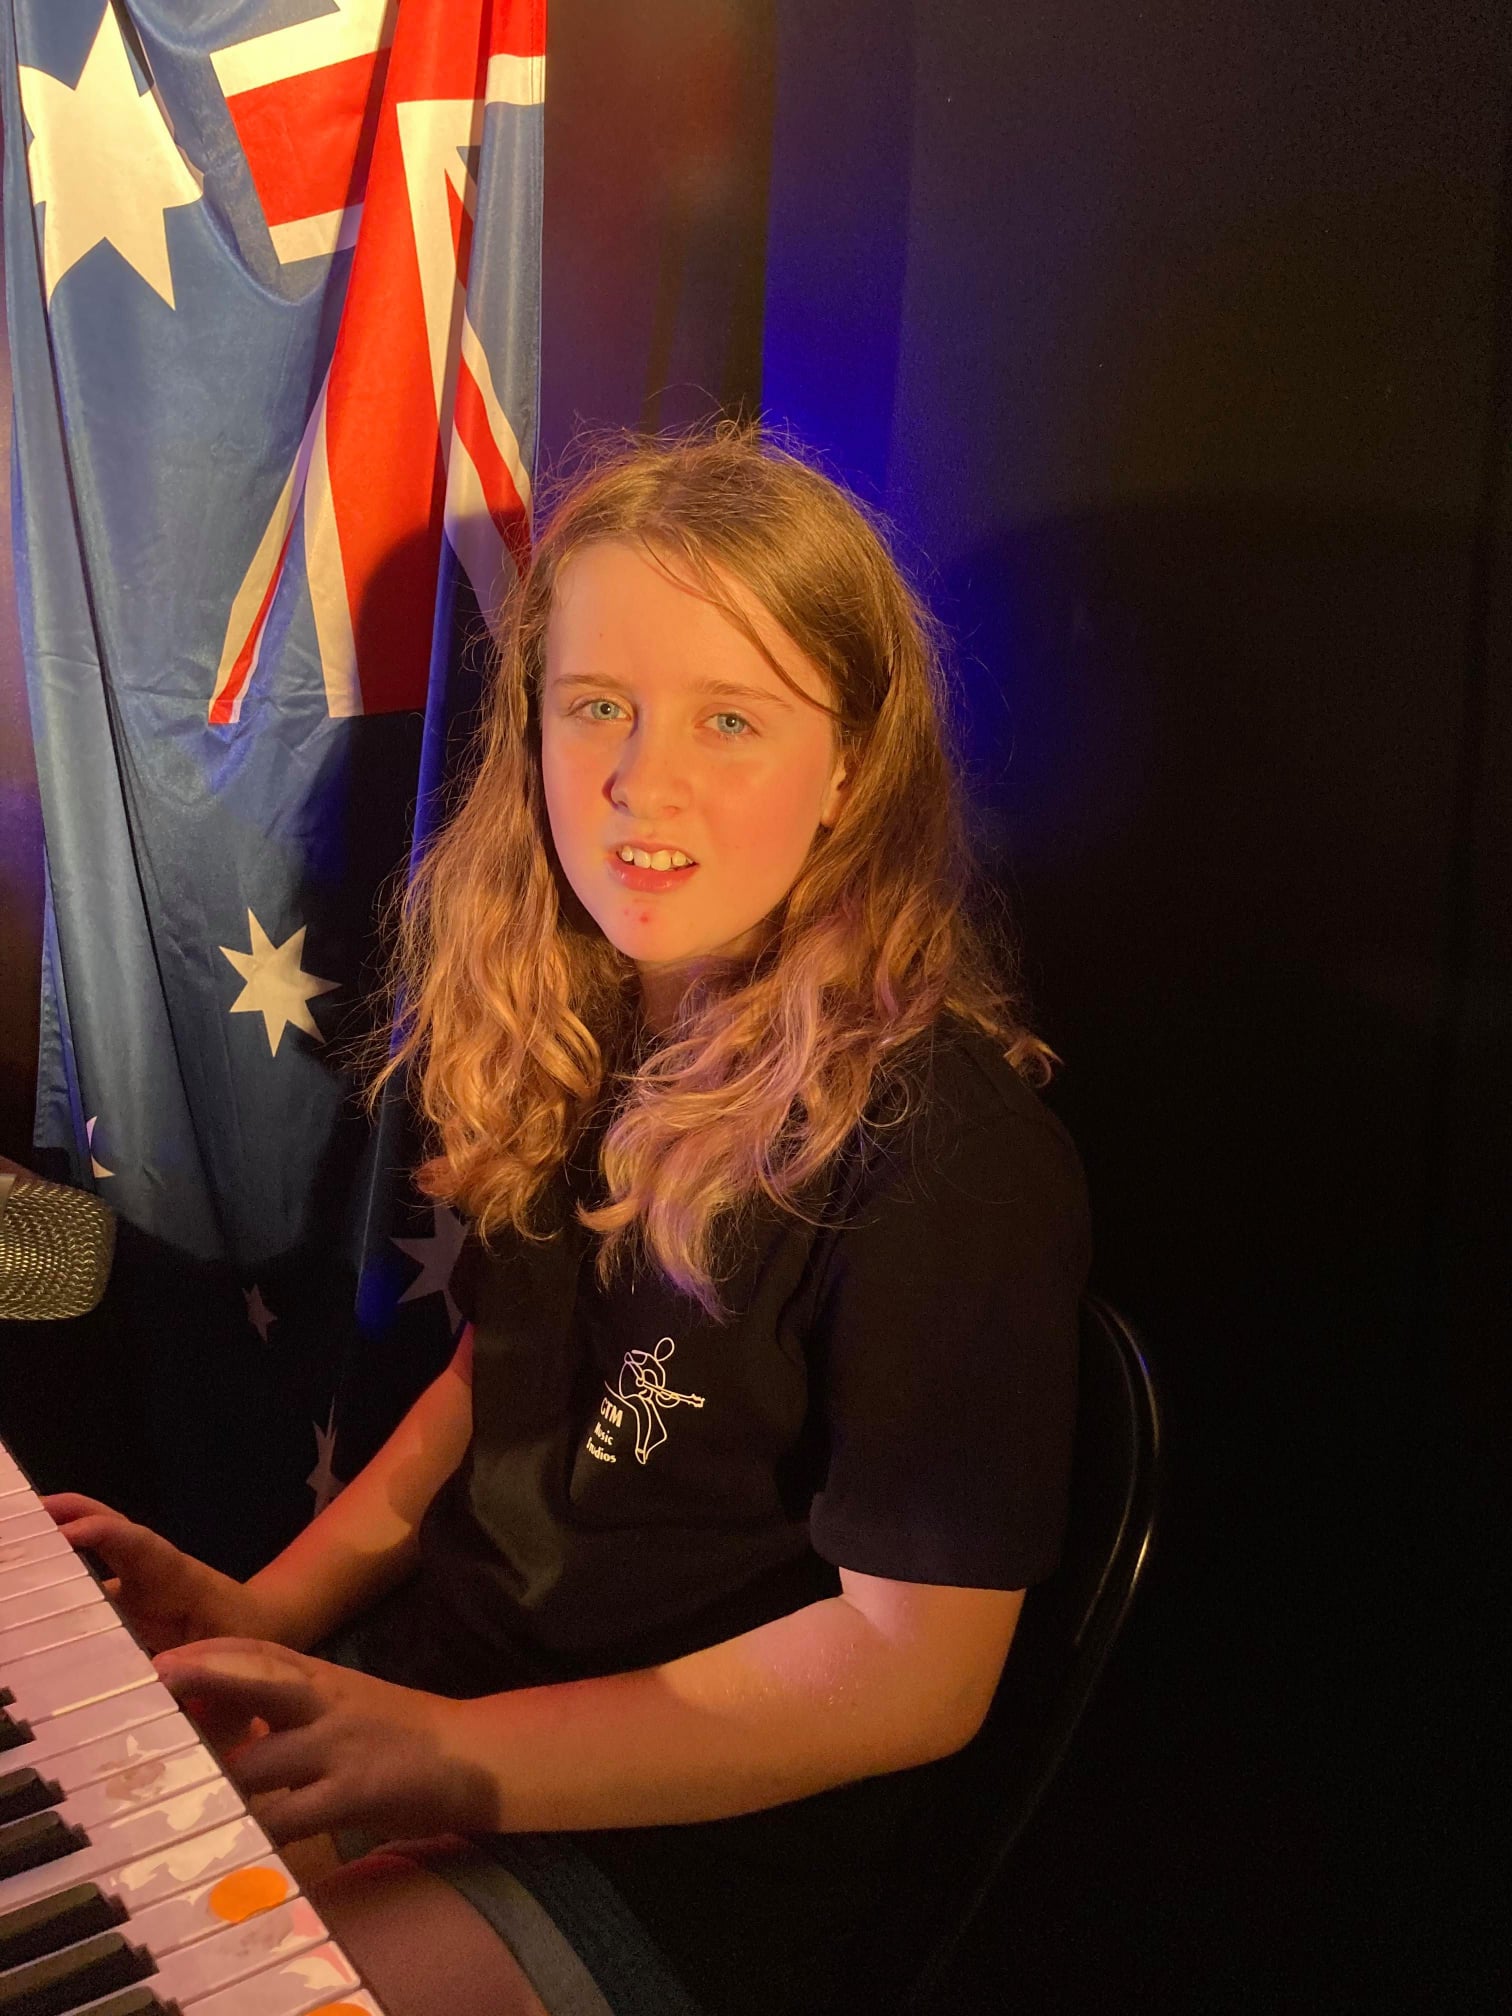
(222, 708)
(308, 138)
(517, 28)
(476, 436)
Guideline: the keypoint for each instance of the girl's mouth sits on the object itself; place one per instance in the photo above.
(649, 881)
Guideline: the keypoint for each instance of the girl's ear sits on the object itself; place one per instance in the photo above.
(833, 798)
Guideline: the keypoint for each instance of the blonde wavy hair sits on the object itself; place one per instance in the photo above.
(519, 1020)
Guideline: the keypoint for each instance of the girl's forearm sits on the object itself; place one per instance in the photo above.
(811, 1700)
(364, 1542)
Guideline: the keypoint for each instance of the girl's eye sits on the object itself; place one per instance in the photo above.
(745, 729)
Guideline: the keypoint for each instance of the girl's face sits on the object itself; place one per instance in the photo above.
(664, 728)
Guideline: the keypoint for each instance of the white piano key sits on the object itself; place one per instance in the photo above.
(63, 1627)
(135, 1834)
(69, 1676)
(31, 1606)
(169, 1836)
(46, 1573)
(229, 1952)
(204, 1909)
(291, 1988)
(34, 1547)
(104, 1800)
(110, 1717)
(125, 1753)
(187, 1974)
(202, 1858)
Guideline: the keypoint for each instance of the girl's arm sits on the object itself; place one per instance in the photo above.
(884, 1676)
(364, 1542)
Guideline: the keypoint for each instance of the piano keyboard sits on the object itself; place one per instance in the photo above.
(133, 1880)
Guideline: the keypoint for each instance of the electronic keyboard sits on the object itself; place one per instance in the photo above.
(133, 1879)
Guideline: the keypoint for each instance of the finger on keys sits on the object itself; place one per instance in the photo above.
(240, 1680)
(68, 1505)
(109, 1539)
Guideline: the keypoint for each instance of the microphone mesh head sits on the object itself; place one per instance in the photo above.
(56, 1245)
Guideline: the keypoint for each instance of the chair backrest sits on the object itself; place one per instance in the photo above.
(982, 1798)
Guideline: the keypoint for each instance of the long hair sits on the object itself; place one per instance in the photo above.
(519, 1019)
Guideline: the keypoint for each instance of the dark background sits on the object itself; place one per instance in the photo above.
(1177, 343)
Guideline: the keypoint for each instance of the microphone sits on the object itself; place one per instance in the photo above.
(56, 1245)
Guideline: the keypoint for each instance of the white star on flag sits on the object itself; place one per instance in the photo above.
(96, 1168)
(259, 1315)
(323, 1480)
(105, 163)
(436, 1256)
(277, 987)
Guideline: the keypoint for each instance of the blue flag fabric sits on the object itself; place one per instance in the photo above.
(272, 273)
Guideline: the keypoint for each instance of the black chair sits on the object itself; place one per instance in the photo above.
(982, 1798)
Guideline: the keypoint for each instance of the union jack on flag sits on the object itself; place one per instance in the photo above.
(273, 284)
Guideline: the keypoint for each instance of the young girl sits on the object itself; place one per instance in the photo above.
(637, 1638)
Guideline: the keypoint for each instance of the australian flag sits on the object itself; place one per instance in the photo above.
(272, 272)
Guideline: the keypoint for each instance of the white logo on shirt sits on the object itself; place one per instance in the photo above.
(644, 1391)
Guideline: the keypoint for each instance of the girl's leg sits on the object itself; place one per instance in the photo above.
(418, 1944)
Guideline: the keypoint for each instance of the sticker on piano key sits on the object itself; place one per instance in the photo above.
(359, 2004)
(126, 1840)
(141, 1784)
(230, 1953)
(210, 1907)
(81, 1726)
(121, 1752)
(184, 1864)
(69, 1676)
(291, 1988)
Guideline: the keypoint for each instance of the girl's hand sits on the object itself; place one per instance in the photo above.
(165, 1597)
(341, 1749)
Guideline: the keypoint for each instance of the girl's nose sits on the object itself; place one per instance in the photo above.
(651, 772)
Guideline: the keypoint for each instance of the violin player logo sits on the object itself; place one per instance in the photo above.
(642, 1392)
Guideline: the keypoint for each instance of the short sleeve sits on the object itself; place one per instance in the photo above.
(947, 1339)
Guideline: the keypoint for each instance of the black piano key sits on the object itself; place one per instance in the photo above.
(13, 1731)
(27, 1791)
(62, 1981)
(68, 1915)
(41, 1837)
(137, 2001)
(6, 1697)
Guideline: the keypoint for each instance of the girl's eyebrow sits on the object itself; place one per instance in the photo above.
(709, 689)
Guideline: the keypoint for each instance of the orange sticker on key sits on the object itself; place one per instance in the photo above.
(341, 2009)
(245, 1892)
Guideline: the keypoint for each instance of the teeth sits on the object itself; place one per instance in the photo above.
(663, 859)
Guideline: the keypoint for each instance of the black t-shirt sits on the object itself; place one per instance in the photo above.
(895, 1393)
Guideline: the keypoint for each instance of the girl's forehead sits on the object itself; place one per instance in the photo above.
(610, 576)
(614, 597)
